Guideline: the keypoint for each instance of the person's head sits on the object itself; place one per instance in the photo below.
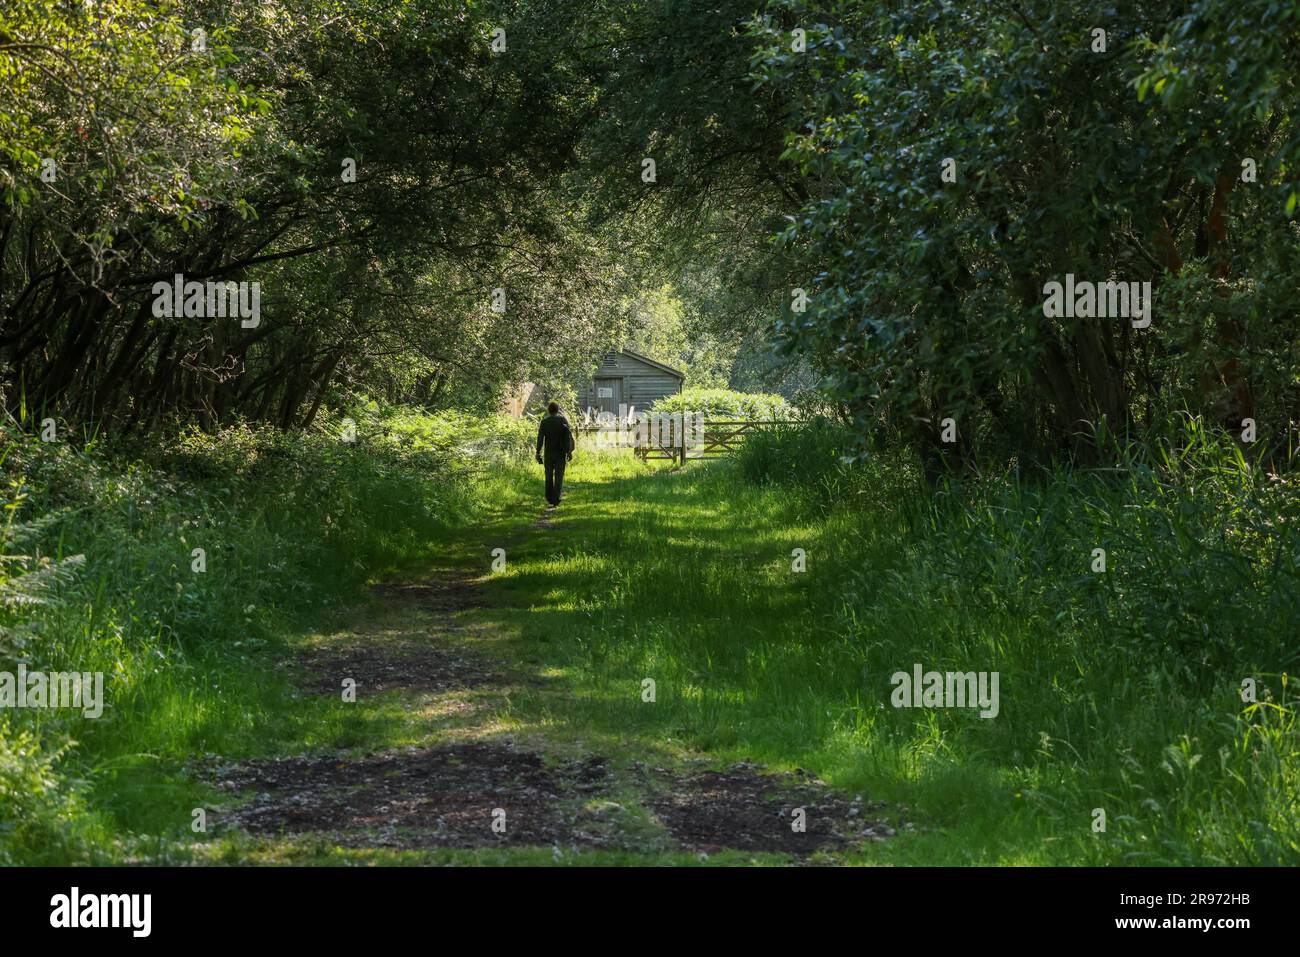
(553, 408)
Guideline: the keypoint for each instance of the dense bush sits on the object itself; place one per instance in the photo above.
(725, 404)
(992, 149)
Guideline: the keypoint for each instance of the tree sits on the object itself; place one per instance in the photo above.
(960, 157)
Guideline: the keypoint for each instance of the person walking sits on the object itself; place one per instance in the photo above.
(554, 449)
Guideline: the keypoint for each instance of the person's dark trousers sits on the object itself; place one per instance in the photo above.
(554, 481)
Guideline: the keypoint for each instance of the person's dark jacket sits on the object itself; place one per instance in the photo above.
(554, 434)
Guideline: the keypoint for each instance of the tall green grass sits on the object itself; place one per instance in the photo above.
(288, 523)
(1120, 690)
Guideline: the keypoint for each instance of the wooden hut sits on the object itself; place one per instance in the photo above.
(627, 380)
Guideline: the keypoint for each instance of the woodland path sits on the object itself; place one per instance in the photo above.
(449, 760)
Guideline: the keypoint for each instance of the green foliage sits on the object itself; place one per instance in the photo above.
(725, 404)
(1119, 690)
(39, 819)
(815, 457)
(289, 523)
(1129, 678)
(522, 172)
(663, 330)
(926, 295)
(670, 81)
(222, 157)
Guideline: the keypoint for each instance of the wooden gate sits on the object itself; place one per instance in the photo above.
(683, 441)
(676, 439)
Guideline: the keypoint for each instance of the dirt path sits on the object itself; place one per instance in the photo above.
(475, 782)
